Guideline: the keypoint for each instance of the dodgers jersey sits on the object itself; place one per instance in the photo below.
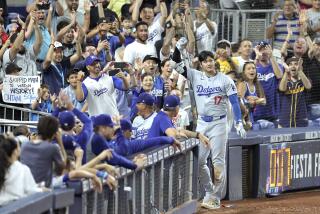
(99, 93)
(211, 93)
(141, 126)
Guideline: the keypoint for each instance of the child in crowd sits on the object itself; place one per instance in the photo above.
(249, 88)
(72, 76)
(44, 102)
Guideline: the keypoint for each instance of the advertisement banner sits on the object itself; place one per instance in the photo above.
(289, 166)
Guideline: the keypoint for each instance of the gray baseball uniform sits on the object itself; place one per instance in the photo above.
(211, 96)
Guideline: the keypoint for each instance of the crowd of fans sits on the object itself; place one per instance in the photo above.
(111, 80)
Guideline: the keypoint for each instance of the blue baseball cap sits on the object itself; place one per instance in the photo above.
(125, 125)
(102, 120)
(91, 59)
(171, 101)
(69, 142)
(146, 98)
(66, 119)
(263, 44)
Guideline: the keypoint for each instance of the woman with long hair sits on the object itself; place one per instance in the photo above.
(16, 180)
(250, 90)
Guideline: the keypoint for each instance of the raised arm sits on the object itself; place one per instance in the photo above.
(64, 30)
(283, 86)
(38, 40)
(136, 10)
(164, 13)
(272, 28)
(86, 22)
(49, 56)
(75, 57)
(16, 45)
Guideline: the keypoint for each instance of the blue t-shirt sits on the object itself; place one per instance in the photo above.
(122, 103)
(158, 91)
(160, 124)
(46, 39)
(54, 75)
(44, 106)
(114, 43)
(270, 84)
(253, 94)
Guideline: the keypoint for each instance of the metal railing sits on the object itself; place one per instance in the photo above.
(12, 116)
(234, 24)
(169, 180)
(56, 201)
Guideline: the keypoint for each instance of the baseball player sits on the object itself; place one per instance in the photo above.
(212, 90)
(142, 123)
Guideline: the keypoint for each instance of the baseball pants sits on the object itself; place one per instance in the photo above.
(216, 131)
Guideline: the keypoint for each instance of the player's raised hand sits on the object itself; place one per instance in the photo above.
(240, 130)
(203, 139)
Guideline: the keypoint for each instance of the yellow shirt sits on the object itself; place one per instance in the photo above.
(116, 5)
(225, 66)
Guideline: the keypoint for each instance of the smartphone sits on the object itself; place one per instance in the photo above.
(114, 72)
(45, 6)
(120, 65)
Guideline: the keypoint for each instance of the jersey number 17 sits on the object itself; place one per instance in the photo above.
(217, 100)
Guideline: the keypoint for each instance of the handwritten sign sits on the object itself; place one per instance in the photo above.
(20, 89)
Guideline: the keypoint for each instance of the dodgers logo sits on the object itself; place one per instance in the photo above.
(100, 92)
(265, 77)
(202, 91)
(141, 133)
(157, 92)
(152, 35)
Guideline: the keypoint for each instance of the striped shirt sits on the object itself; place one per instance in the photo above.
(281, 31)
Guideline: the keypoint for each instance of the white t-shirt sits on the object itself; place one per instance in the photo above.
(205, 39)
(182, 119)
(27, 62)
(19, 183)
(155, 30)
(100, 96)
(138, 50)
(141, 126)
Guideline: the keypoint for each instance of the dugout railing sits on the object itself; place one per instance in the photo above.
(56, 201)
(267, 162)
(169, 181)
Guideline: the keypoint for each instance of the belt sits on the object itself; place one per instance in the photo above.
(208, 119)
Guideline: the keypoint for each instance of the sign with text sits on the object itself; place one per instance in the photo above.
(289, 166)
(20, 89)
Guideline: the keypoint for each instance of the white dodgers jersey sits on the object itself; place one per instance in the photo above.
(100, 98)
(141, 126)
(211, 93)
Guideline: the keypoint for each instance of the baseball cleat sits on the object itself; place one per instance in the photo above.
(211, 204)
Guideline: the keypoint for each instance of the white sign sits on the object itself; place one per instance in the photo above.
(20, 89)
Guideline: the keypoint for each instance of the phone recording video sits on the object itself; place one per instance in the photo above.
(114, 72)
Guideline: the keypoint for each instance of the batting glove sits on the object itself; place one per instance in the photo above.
(240, 130)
